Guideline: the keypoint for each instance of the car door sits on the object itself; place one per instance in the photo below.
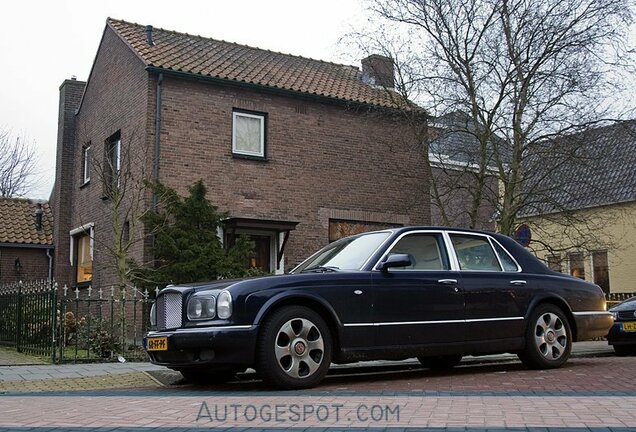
(421, 304)
(492, 281)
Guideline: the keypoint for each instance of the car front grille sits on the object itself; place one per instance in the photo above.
(169, 311)
(627, 315)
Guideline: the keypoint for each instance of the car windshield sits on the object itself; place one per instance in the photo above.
(347, 254)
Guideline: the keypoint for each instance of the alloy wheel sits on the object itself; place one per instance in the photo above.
(550, 336)
(299, 348)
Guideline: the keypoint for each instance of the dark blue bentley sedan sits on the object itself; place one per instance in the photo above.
(432, 293)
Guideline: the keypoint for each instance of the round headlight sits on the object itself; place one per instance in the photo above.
(224, 305)
(153, 315)
(195, 308)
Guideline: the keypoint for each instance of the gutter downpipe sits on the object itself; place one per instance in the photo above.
(50, 257)
(155, 168)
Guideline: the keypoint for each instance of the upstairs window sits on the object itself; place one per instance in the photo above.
(248, 134)
(577, 265)
(86, 163)
(112, 160)
(600, 268)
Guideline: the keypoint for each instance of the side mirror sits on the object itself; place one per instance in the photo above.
(396, 260)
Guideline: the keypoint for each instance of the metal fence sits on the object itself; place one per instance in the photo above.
(74, 325)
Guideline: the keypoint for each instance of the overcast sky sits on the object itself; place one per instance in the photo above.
(42, 43)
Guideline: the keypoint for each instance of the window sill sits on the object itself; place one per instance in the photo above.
(86, 183)
(250, 157)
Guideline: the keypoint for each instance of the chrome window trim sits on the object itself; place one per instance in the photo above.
(490, 239)
(494, 240)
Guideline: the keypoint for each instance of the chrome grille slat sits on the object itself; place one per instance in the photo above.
(169, 311)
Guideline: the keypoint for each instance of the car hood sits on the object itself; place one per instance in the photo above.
(629, 304)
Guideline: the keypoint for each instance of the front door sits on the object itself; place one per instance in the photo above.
(263, 244)
(422, 304)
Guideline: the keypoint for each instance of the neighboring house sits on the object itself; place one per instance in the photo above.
(585, 225)
(26, 240)
(455, 157)
(298, 151)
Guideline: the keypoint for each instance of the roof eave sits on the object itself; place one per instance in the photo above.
(276, 90)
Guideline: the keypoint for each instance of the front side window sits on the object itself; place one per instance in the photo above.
(248, 134)
(86, 164)
(425, 250)
(474, 253)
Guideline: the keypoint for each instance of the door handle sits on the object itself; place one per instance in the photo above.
(518, 282)
(448, 281)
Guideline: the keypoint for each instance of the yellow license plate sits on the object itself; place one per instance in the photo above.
(158, 344)
(629, 326)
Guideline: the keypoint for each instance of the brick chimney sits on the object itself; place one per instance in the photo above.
(61, 205)
(378, 70)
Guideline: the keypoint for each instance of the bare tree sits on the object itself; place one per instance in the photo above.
(17, 165)
(121, 170)
(527, 75)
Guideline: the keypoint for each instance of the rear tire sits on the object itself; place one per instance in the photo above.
(294, 348)
(441, 362)
(548, 339)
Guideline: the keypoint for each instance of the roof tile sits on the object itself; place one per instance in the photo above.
(17, 222)
(225, 60)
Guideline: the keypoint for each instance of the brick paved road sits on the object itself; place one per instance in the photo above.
(587, 394)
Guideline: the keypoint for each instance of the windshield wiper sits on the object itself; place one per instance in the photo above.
(321, 269)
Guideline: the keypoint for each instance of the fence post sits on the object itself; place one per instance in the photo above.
(18, 338)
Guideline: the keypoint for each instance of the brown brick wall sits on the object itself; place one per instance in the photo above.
(319, 157)
(35, 264)
(116, 99)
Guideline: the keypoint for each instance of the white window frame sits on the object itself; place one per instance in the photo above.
(235, 150)
(274, 239)
(89, 229)
(86, 175)
(116, 155)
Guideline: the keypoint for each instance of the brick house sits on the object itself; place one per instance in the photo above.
(298, 151)
(26, 240)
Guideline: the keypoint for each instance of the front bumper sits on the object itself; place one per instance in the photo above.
(590, 325)
(618, 337)
(209, 346)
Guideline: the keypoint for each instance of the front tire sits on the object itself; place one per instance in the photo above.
(548, 339)
(294, 349)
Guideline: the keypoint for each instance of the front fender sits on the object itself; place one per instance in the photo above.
(290, 297)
